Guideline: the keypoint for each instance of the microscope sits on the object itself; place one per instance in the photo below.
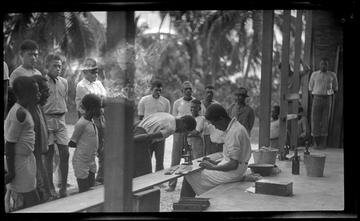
(186, 152)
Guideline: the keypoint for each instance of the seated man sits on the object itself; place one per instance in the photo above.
(236, 154)
(303, 128)
(154, 128)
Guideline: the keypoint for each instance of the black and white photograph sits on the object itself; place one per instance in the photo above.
(148, 108)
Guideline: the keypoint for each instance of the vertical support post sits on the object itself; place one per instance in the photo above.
(294, 103)
(283, 81)
(266, 79)
(307, 61)
(119, 116)
(118, 171)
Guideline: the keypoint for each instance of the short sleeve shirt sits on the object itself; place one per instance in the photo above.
(237, 143)
(23, 135)
(56, 103)
(86, 139)
(158, 121)
(323, 83)
(85, 87)
(21, 71)
(149, 105)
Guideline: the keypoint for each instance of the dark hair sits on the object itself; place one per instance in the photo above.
(23, 85)
(155, 83)
(189, 122)
(40, 80)
(91, 101)
(277, 108)
(215, 112)
(300, 109)
(196, 101)
(51, 57)
(29, 45)
(210, 87)
(324, 59)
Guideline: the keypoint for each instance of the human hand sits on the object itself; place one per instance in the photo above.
(206, 164)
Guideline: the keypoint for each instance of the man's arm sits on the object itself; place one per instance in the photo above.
(147, 137)
(231, 165)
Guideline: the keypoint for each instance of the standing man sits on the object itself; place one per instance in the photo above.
(54, 110)
(241, 111)
(29, 53)
(181, 107)
(323, 85)
(90, 85)
(150, 104)
(210, 147)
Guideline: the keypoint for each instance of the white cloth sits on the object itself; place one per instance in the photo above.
(274, 129)
(23, 135)
(149, 105)
(216, 135)
(6, 72)
(58, 90)
(21, 71)
(86, 139)
(237, 146)
(85, 87)
(159, 122)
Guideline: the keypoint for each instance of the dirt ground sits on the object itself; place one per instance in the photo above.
(166, 198)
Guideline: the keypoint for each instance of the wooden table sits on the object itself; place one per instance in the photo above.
(95, 197)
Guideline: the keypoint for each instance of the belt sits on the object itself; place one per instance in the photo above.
(56, 114)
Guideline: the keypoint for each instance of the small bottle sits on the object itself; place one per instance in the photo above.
(295, 164)
(306, 152)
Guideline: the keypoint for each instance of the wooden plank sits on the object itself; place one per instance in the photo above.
(283, 81)
(266, 79)
(307, 61)
(147, 201)
(95, 197)
(294, 104)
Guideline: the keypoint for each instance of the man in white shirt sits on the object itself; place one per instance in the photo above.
(90, 85)
(152, 129)
(154, 103)
(236, 155)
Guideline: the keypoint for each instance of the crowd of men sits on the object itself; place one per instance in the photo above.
(35, 129)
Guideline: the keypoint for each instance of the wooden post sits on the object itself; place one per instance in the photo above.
(265, 87)
(307, 61)
(294, 103)
(283, 81)
(118, 172)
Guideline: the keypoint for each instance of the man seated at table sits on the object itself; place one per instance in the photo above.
(236, 154)
(154, 128)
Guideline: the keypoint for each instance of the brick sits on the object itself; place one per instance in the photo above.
(274, 188)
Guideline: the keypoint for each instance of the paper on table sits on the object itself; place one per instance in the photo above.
(251, 189)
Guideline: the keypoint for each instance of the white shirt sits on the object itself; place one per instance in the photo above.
(86, 139)
(182, 107)
(85, 87)
(159, 121)
(149, 105)
(21, 71)
(236, 146)
(23, 135)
